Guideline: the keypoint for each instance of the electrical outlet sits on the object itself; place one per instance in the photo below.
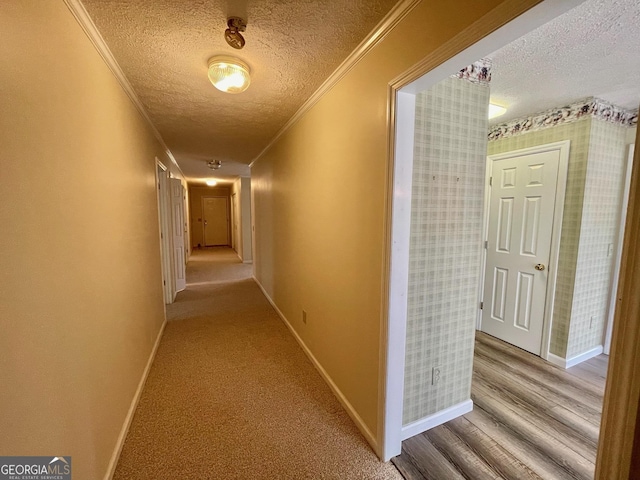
(435, 375)
(304, 317)
(610, 250)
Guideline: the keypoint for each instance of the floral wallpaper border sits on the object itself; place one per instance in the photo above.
(570, 113)
(477, 72)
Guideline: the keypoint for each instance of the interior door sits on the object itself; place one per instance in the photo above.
(234, 223)
(521, 212)
(177, 231)
(215, 214)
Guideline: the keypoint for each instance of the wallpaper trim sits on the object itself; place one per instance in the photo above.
(589, 107)
(477, 72)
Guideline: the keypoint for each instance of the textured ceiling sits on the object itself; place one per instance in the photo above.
(592, 50)
(292, 47)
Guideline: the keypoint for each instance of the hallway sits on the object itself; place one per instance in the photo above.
(231, 394)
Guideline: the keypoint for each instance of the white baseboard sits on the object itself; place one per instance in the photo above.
(111, 469)
(323, 373)
(247, 261)
(570, 362)
(436, 419)
(556, 360)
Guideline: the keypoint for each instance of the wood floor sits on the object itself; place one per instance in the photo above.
(531, 420)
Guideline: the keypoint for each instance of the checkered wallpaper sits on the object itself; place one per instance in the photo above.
(445, 246)
(600, 223)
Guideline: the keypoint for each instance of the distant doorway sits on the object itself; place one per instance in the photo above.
(215, 216)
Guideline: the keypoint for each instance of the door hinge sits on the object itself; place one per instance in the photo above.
(164, 283)
(486, 244)
(490, 181)
(481, 305)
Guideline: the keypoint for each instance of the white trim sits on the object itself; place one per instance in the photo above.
(557, 361)
(436, 419)
(615, 276)
(570, 362)
(556, 233)
(395, 15)
(485, 237)
(394, 349)
(84, 20)
(558, 212)
(115, 456)
(164, 234)
(325, 376)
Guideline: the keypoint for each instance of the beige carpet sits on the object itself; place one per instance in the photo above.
(232, 396)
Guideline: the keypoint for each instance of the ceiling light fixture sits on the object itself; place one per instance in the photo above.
(214, 164)
(211, 183)
(496, 110)
(228, 74)
(232, 34)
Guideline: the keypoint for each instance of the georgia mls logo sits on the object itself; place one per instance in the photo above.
(35, 468)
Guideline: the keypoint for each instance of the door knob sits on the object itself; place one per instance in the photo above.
(539, 267)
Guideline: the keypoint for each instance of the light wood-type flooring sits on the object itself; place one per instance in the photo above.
(531, 420)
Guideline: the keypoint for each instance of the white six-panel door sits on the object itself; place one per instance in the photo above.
(521, 215)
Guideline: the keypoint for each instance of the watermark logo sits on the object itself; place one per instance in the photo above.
(35, 468)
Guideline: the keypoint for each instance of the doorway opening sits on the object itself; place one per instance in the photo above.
(396, 427)
(215, 221)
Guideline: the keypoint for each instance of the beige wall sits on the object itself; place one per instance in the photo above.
(80, 291)
(195, 209)
(319, 196)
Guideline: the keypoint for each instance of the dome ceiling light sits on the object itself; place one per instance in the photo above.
(496, 110)
(228, 74)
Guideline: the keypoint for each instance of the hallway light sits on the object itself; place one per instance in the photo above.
(496, 110)
(211, 183)
(228, 74)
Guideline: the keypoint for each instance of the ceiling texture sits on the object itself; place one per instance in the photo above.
(592, 50)
(292, 46)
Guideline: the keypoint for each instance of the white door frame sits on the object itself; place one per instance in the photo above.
(164, 226)
(401, 112)
(615, 276)
(561, 187)
(234, 225)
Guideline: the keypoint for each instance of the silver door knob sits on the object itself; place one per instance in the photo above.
(539, 267)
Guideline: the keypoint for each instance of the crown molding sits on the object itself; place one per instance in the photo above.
(395, 15)
(84, 20)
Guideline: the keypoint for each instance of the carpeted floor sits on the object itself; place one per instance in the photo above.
(232, 396)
